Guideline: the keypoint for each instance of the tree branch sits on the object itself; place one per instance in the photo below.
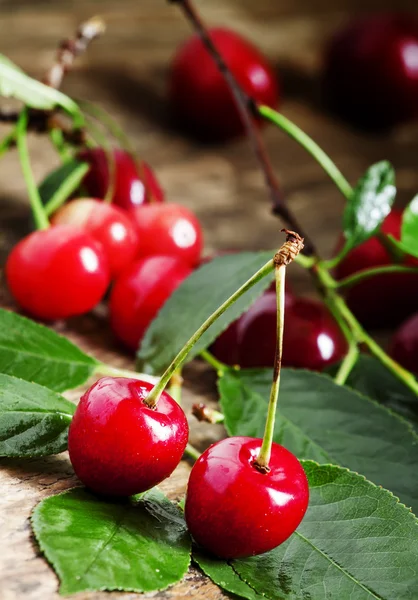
(248, 109)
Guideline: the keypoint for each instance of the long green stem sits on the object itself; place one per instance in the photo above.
(263, 458)
(347, 282)
(40, 218)
(310, 146)
(66, 189)
(154, 395)
(7, 141)
(57, 139)
(219, 366)
(347, 364)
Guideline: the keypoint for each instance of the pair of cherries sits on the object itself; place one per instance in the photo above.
(120, 445)
(66, 269)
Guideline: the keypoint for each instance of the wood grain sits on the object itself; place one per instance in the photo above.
(126, 73)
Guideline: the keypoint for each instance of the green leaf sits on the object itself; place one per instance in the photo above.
(409, 230)
(222, 573)
(16, 84)
(372, 379)
(356, 542)
(194, 301)
(370, 203)
(34, 421)
(322, 421)
(36, 353)
(61, 183)
(95, 544)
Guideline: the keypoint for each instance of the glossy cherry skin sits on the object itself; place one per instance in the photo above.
(169, 229)
(384, 300)
(233, 510)
(118, 445)
(57, 273)
(134, 185)
(371, 70)
(404, 344)
(106, 223)
(200, 98)
(140, 292)
(311, 340)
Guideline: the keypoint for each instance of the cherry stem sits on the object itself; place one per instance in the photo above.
(178, 361)
(58, 141)
(347, 282)
(39, 215)
(347, 364)
(8, 141)
(219, 366)
(294, 132)
(263, 459)
(247, 109)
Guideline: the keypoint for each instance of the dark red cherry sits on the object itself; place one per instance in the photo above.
(118, 445)
(133, 184)
(57, 273)
(106, 223)
(140, 292)
(226, 347)
(311, 340)
(199, 96)
(404, 344)
(371, 70)
(169, 229)
(233, 510)
(384, 300)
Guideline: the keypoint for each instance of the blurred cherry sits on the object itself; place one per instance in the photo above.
(404, 345)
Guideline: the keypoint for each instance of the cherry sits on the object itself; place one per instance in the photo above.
(140, 292)
(120, 446)
(198, 94)
(133, 185)
(384, 300)
(234, 510)
(169, 229)
(106, 223)
(312, 340)
(371, 70)
(57, 273)
(404, 344)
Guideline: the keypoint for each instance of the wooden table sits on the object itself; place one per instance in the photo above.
(125, 72)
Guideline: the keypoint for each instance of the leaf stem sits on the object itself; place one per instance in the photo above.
(154, 395)
(310, 146)
(347, 364)
(219, 366)
(263, 458)
(39, 215)
(347, 282)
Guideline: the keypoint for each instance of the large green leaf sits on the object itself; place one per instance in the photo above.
(222, 573)
(61, 183)
(372, 379)
(322, 421)
(409, 231)
(194, 301)
(356, 542)
(33, 420)
(36, 353)
(16, 84)
(95, 544)
(369, 204)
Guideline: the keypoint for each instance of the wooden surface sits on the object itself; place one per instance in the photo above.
(126, 72)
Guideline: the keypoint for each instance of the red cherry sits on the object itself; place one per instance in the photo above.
(140, 292)
(311, 340)
(134, 185)
(404, 345)
(384, 300)
(57, 273)
(118, 445)
(226, 347)
(107, 224)
(169, 229)
(233, 510)
(371, 70)
(198, 94)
